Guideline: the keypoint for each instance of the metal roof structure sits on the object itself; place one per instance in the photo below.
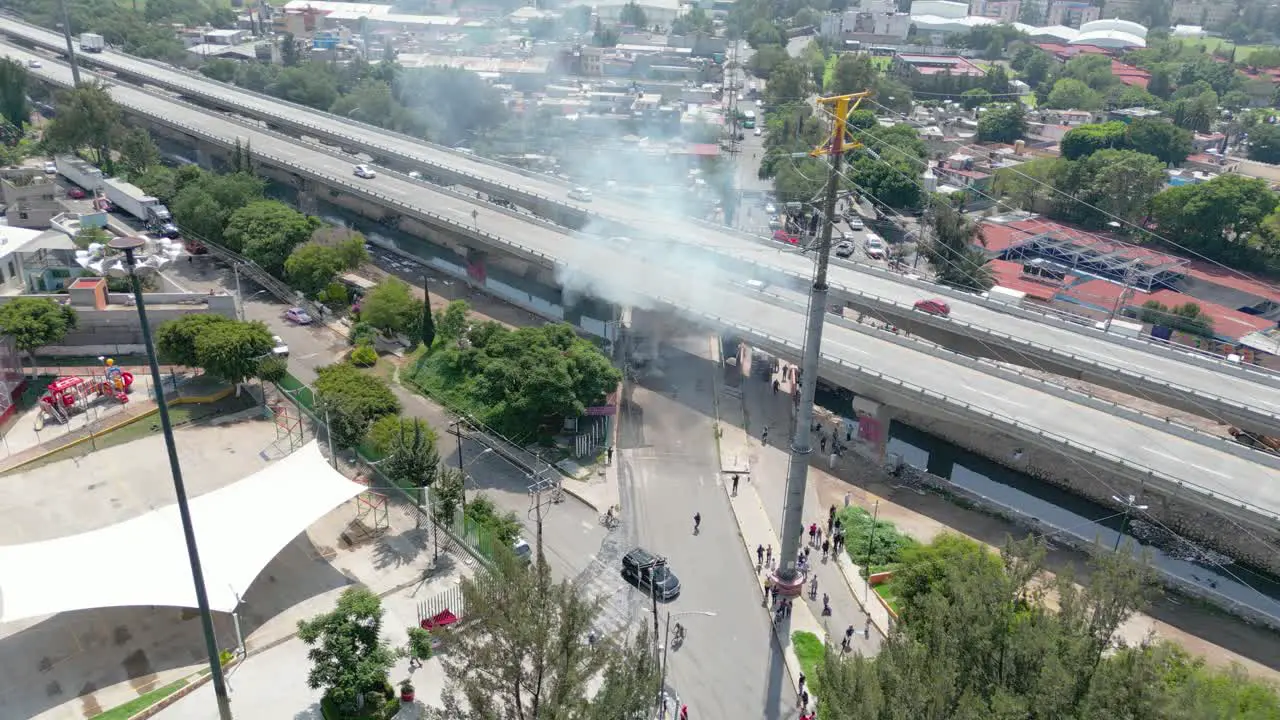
(1099, 256)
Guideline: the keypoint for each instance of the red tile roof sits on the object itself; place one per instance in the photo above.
(1227, 322)
(1130, 75)
(1008, 274)
(1099, 293)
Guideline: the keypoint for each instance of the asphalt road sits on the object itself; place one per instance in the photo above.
(728, 668)
(1149, 359)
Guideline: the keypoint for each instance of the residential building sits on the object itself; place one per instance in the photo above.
(31, 198)
(522, 73)
(873, 21)
(1204, 13)
(1006, 11)
(656, 12)
(1072, 13)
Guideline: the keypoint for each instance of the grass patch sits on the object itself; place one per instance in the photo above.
(142, 702)
(871, 544)
(809, 651)
(881, 62)
(433, 376)
(888, 592)
(299, 391)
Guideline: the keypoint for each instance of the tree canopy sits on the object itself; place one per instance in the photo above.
(391, 307)
(953, 252)
(517, 381)
(1002, 123)
(35, 322)
(13, 92)
(348, 656)
(267, 231)
(229, 349)
(351, 400)
(525, 652)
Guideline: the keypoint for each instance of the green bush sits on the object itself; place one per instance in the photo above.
(364, 356)
(885, 544)
(362, 333)
(385, 433)
(334, 295)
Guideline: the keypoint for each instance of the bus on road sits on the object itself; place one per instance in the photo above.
(749, 119)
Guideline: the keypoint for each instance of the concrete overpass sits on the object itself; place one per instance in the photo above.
(1113, 449)
(1189, 381)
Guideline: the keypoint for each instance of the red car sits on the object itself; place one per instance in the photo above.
(75, 193)
(933, 306)
(783, 236)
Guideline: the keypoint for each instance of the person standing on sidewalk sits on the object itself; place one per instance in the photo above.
(764, 436)
(697, 522)
(759, 557)
(735, 485)
(826, 546)
(768, 556)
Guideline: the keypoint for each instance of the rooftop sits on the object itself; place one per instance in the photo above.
(482, 65)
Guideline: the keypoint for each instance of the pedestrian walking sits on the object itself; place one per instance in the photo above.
(735, 485)
(813, 587)
(759, 556)
(764, 435)
(684, 712)
(826, 546)
(800, 683)
(768, 556)
(822, 443)
(831, 522)
(866, 629)
(609, 455)
(804, 699)
(813, 532)
(775, 386)
(826, 605)
(697, 522)
(848, 497)
(848, 639)
(817, 537)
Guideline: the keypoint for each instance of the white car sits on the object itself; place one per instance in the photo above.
(759, 132)
(580, 194)
(50, 168)
(855, 223)
(770, 209)
(415, 175)
(33, 63)
(844, 249)
(364, 171)
(874, 247)
(279, 349)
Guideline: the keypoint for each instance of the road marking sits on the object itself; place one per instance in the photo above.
(993, 396)
(175, 284)
(1201, 467)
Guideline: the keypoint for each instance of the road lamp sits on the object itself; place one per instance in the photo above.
(1130, 503)
(129, 245)
(666, 644)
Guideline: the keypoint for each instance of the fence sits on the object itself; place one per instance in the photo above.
(448, 536)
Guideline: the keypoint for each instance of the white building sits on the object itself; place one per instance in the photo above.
(656, 12)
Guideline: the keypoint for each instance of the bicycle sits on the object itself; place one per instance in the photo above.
(609, 520)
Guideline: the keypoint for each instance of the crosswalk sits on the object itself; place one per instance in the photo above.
(602, 579)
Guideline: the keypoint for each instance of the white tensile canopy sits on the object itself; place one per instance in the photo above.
(143, 561)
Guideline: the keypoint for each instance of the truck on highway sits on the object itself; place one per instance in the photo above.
(92, 42)
(131, 199)
(79, 172)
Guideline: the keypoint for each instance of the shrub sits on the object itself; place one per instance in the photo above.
(364, 356)
(385, 433)
(362, 333)
(885, 544)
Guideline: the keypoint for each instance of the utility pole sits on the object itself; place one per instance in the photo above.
(1120, 301)
(455, 429)
(1130, 503)
(537, 486)
(798, 464)
(71, 48)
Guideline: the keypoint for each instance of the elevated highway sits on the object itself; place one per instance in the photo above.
(1211, 387)
(1208, 472)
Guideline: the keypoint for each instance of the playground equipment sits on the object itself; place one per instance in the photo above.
(67, 396)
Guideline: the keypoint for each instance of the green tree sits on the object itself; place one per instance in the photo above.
(977, 97)
(1029, 185)
(1002, 123)
(1037, 68)
(1217, 218)
(790, 81)
(452, 320)
(1121, 183)
(633, 15)
(525, 653)
(35, 322)
(763, 33)
(391, 307)
(311, 267)
(446, 495)
(1264, 144)
(385, 432)
(953, 251)
(289, 53)
(351, 400)
(854, 73)
(1165, 141)
(87, 117)
(349, 244)
(1187, 317)
(13, 92)
(1071, 94)
(348, 656)
(413, 460)
(176, 339)
(137, 152)
(204, 202)
(427, 327)
(1087, 139)
(158, 181)
(267, 231)
(766, 59)
(233, 350)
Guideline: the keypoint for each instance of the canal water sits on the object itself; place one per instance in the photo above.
(1073, 514)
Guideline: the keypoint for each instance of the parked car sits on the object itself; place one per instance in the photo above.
(783, 236)
(50, 168)
(279, 349)
(76, 193)
(639, 567)
(933, 306)
(874, 247)
(844, 249)
(580, 194)
(364, 171)
(297, 315)
(523, 552)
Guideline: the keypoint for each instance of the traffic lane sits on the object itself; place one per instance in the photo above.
(1172, 456)
(723, 670)
(571, 535)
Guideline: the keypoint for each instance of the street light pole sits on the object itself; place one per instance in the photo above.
(1130, 503)
(129, 245)
(666, 644)
(71, 48)
(798, 463)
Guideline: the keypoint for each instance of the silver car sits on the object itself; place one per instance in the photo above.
(844, 249)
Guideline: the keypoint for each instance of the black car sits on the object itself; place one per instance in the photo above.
(649, 573)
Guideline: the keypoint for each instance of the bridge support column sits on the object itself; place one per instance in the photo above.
(307, 203)
(873, 423)
(204, 158)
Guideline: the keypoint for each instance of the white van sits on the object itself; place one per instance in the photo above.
(580, 194)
